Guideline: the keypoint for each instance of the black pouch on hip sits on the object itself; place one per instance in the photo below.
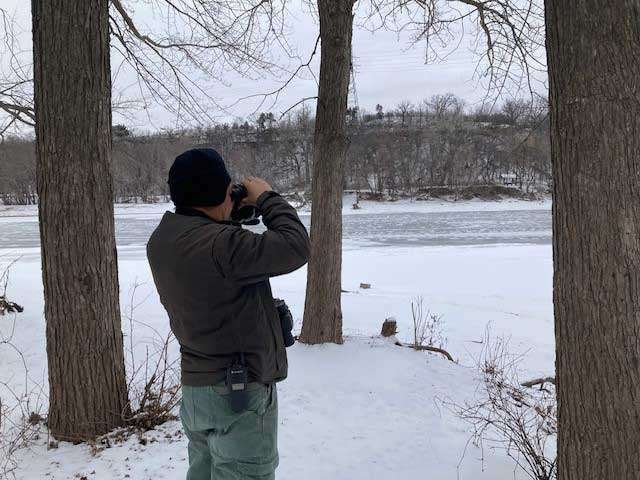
(286, 322)
(237, 379)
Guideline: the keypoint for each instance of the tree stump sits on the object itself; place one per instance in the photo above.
(389, 327)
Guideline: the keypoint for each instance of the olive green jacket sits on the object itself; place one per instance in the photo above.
(213, 280)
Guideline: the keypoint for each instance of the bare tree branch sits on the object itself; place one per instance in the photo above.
(275, 94)
(509, 37)
(191, 43)
(16, 97)
(299, 102)
(201, 40)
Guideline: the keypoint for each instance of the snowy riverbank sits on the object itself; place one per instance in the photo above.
(152, 210)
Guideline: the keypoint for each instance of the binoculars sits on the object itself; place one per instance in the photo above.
(243, 214)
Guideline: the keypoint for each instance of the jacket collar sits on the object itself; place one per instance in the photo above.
(192, 212)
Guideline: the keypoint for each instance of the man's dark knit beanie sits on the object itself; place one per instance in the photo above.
(198, 178)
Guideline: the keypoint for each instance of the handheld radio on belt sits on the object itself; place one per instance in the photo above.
(237, 379)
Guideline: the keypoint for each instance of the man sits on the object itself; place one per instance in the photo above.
(213, 279)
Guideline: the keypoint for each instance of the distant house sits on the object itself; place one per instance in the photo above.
(508, 178)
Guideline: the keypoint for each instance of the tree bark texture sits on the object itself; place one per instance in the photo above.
(87, 386)
(323, 310)
(593, 51)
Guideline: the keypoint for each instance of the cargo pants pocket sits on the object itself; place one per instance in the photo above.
(248, 447)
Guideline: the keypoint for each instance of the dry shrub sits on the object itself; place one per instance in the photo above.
(428, 328)
(20, 424)
(154, 399)
(5, 305)
(153, 382)
(507, 416)
(20, 418)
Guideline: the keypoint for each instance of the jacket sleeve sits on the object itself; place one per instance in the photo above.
(246, 257)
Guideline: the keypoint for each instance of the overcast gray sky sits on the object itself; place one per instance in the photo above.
(388, 71)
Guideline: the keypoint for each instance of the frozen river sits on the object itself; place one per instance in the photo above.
(438, 228)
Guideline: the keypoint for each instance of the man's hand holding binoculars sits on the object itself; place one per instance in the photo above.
(255, 187)
(245, 198)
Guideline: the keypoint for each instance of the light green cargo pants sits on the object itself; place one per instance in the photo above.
(224, 445)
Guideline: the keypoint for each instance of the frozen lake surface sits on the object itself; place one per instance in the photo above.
(427, 228)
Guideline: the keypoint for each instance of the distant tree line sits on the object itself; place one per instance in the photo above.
(398, 151)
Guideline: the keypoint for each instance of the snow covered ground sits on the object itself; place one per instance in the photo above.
(363, 410)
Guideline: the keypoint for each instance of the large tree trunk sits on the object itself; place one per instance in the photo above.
(323, 311)
(593, 53)
(87, 387)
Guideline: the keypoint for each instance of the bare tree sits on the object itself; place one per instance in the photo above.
(405, 109)
(515, 110)
(512, 31)
(442, 106)
(80, 280)
(323, 310)
(593, 53)
(87, 386)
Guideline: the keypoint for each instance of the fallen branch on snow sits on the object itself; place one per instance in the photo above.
(428, 348)
(539, 381)
(9, 307)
